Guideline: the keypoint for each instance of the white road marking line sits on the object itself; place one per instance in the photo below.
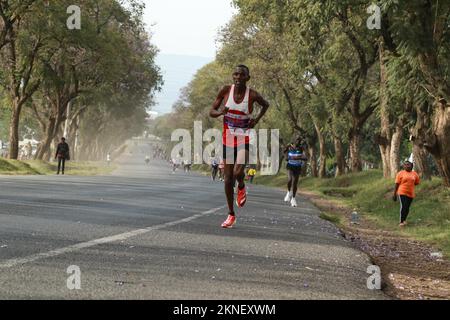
(119, 237)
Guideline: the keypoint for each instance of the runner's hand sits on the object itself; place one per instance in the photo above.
(225, 111)
(252, 123)
(394, 198)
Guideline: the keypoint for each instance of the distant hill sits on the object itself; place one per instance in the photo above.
(177, 71)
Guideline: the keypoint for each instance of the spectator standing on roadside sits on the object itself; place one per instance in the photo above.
(62, 154)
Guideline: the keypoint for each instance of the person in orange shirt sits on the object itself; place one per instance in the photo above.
(405, 183)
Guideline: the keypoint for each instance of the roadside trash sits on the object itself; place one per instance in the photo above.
(437, 255)
(355, 217)
(4, 246)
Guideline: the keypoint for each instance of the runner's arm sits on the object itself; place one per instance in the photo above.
(265, 106)
(215, 111)
(397, 185)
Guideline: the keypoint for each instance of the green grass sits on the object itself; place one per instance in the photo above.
(329, 216)
(371, 195)
(35, 167)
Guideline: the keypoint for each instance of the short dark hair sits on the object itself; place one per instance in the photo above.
(243, 66)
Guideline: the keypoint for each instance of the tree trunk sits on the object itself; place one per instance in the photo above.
(441, 126)
(385, 151)
(384, 139)
(45, 144)
(355, 149)
(322, 152)
(421, 165)
(322, 157)
(435, 138)
(14, 129)
(340, 157)
(394, 157)
(313, 160)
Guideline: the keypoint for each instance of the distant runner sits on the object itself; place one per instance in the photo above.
(251, 174)
(214, 169)
(187, 166)
(237, 111)
(295, 161)
(174, 165)
(147, 160)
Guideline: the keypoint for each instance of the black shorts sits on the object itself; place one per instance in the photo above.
(234, 151)
(295, 170)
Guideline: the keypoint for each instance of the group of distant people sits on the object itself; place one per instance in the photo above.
(218, 171)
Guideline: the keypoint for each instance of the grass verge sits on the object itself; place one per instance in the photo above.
(371, 195)
(35, 167)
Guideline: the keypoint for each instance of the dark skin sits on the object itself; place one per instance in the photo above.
(233, 172)
(407, 167)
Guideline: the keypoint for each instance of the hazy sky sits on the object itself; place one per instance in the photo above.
(187, 27)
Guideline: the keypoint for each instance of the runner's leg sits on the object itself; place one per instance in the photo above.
(296, 178)
(239, 167)
(229, 186)
(290, 180)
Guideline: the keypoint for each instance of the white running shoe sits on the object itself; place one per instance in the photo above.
(293, 202)
(288, 197)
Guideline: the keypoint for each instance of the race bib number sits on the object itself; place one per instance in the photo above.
(239, 132)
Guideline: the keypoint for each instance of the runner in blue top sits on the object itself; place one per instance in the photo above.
(296, 159)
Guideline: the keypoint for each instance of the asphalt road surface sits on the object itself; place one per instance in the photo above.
(145, 233)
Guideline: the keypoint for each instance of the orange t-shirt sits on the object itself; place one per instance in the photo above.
(407, 181)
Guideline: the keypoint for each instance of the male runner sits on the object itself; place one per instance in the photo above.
(239, 101)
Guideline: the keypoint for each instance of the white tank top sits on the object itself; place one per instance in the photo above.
(236, 121)
(243, 107)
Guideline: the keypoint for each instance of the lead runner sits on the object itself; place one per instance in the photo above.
(239, 100)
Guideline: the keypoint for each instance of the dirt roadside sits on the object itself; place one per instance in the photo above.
(409, 270)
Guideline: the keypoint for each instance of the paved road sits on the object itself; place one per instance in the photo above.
(144, 233)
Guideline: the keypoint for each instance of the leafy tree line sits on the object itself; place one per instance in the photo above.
(355, 94)
(93, 84)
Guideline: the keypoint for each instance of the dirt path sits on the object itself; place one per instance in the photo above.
(409, 269)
